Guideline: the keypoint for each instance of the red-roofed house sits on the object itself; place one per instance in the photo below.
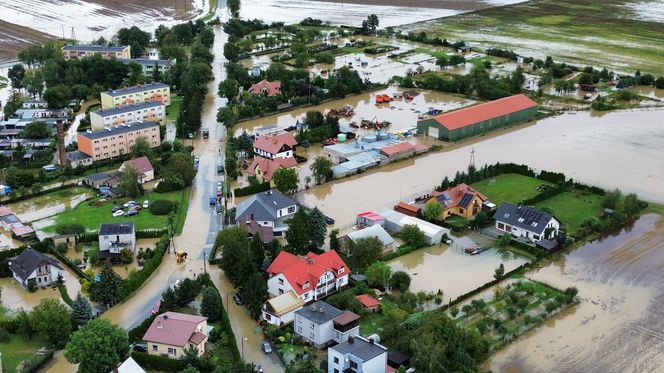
(461, 200)
(171, 332)
(265, 88)
(478, 119)
(312, 276)
(143, 166)
(264, 168)
(369, 302)
(275, 146)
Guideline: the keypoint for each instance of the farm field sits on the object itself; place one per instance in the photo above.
(581, 32)
(573, 207)
(512, 188)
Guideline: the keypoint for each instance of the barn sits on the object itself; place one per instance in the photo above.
(478, 119)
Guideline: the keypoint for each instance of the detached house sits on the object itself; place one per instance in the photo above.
(264, 168)
(357, 355)
(311, 276)
(31, 266)
(266, 88)
(268, 209)
(171, 333)
(143, 166)
(526, 222)
(322, 324)
(461, 200)
(275, 146)
(114, 237)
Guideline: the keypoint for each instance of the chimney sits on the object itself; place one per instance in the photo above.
(62, 152)
(159, 324)
(371, 340)
(321, 310)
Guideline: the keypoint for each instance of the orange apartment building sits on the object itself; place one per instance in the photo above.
(112, 142)
(73, 52)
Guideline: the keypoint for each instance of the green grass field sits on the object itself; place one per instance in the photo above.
(91, 217)
(618, 34)
(173, 111)
(18, 349)
(572, 208)
(512, 188)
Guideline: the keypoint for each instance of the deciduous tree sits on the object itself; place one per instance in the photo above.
(50, 319)
(286, 180)
(129, 184)
(97, 347)
(317, 227)
(321, 169)
(297, 234)
(378, 274)
(211, 305)
(366, 250)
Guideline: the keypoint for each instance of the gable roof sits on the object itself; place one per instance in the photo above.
(128, 108)
(129, 366)
(523, 217)
(141, 164)
(319, 312)
(285, 303)
(264, 232)
(270, 166)
(299, 270)
(482, 112)
(373, 231)
(116, 228)
(4, 211)
(370, 215)
(398, 148)
(367, 300)
(28, 260)
(172, 328)
(460, 195)
(273, 143)
(272, 88)
(263, 206)
(407, 207)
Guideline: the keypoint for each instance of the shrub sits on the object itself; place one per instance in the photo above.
(4, 335)
(69, 229)
(161, 207)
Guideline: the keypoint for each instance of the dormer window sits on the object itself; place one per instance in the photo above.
(306, 285)
(341, 270)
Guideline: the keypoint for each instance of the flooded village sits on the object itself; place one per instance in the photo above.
(318, 186)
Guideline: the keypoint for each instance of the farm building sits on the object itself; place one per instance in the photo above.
(478, 119)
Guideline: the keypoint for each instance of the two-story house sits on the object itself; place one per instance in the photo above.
(268, 209)
(275, 146)
(357, 355)
(312, 277)
(322, 324)
(526, 222)
(31, 266)
(281, 309)
(114, 237)
(171, 333)
(461, 200)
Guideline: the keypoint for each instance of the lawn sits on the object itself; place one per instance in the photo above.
(173, 111)
(572, 208)
(92, 215)
(18, 349)
(512, 188)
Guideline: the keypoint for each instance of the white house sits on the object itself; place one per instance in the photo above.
(31, 266)
(114, 237)
(151, 111)
(359, 355)
(322, 324)
(281, 309)
(268, 209)
(312, 276)
(275, 146)
(143, 166)
(526, 222)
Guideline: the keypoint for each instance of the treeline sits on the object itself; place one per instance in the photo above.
(478, 83)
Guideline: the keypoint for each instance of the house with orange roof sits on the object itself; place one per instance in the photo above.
(368, 302)
(275, 146)
(264, 168)
(312, 277)
(461, 200)
(171, 333)
(266, 88)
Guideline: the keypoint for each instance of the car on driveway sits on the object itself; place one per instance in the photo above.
(265, 346)
(146, 204)
(129, 204)
(118, 213)
(140, 347)
(238, 299)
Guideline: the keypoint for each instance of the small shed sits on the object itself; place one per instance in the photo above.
(550, 246)
(369, 302)
(407, 209)
(67, 239)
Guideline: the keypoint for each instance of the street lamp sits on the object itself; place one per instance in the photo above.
(243, 339)
(204, 260)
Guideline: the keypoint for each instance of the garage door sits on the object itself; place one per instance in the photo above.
(433, 131)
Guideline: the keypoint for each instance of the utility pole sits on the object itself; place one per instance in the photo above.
(472, 158)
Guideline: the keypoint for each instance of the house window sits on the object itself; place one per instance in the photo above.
(306, 295)
(299, 329)
(313, 326)
(267, 317)
(172, 351)
(291, 210)
(306, 285)
(281, 291)
(312, 335)
(336, 370)
(501, 226)
(281, 281)
(353, 364)
(461, 211)
(341, 270)
(336, 360)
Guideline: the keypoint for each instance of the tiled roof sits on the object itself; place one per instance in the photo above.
(482, 112)
(270, 166)
(141, 164)
(131, 127)
(172, 328)
(347, 318)
(367, 300)
(263, 206)
(271, 88)
(273, 143)
(460, 195)
(299, 270)
(407, 206)
(29, 259)
(401, 147)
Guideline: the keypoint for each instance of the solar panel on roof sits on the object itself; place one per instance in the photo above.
(466, 199)
(446, 195)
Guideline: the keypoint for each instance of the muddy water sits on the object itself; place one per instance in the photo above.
(617, 327)
(651, 92)
(48, 205)
(14, 296)
(619, 149)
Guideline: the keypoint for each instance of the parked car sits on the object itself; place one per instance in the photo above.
(140, 347)
(220, 185)
(146, 204)
(265, 346)
(238, 299)
(118, 213)
(213, 201)
(131, 213)
(116, 208)
(129, 204)
(136, 207)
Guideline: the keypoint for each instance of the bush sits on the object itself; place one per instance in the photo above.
(69, 229)
(4, 335)
(157, 363)
(252, 189)
(161, 207)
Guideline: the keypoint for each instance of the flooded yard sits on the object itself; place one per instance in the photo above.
(617, 327)
(50, 204)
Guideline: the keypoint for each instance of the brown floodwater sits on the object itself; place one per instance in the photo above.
(621, 149)
(617, 327)
(50, 204)
(651, 92)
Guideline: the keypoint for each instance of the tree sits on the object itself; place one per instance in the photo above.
(190, 357)
(179, 165)
(254, 292)
(136, 38)
(432, 211)
(33, 81)
(631, 204)
(413, 236)
(16, 74)
(317, 227)
(16, 177)
(233, 7)
(321, 168)
(499, 272)
(612, 199)
(129, 184)
(227, 116)
(659, 82)
(55, 98)
(36, 130)
(334, 239)
(229, 88)
(50, 319)
(141, 148)
(297, 234)
(378, 274)
(97, 347)
(136, 73)
(400, 280)
(24, 325)
(503, 240)
(366, 250)
(81, 310)
(480, 219)
(257, 252)
(107, 290)
(211, 306)
(286, 180)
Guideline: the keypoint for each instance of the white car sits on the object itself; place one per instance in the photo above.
(129, 204)
(219, 185)
(146, 204)
(118, 213)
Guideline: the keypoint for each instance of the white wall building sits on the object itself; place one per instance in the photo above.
(359, 355)
(322, 324)
(31, 266)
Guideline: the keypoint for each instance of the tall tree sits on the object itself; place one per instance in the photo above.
(129, 184)
(211, 306)
(81, 310)
(36, 130)
(378, 274)
(107, 290)
(257, 252)
(97, 347)
(156, 73)
(334, 239)
(56, 98)
(400, 280)
(50, 319)
(136, 76)
(286, 180)
(413, 236)
(321, 168)
(432, 211)
(317, 227)
(366, 250)
(297, 234)
(229, 88)
(233, 7)
(254, 292)
(141, 148)
(16, 74)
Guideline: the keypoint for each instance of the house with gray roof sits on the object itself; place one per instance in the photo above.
(268, 209)
(526, 222)
(375, 230)
(322, 324)
(31, 266)
(115, 237)
(358, 355)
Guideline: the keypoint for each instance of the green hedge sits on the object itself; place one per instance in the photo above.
(226, 326)
(38, 362)
(401, 250)
(252, 189)
(65, 296)
(42, 192)
(157, 363)
(539, 253)
(544, 196)
(151, 233)
(137, 278)
(69, 263)
(88, 237)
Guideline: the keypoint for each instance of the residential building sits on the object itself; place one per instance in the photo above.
(269, 209)
(114, 237)
(281, 309)
(322, 324)
(31, 266)
(171, 333)
(148, 111)
(368, 302)
(265, 88)
(73, 52)
(112, 142)
(375, 230)
(143, 166)
(526, 222)
(264, 168)
(128, 366)
(478, 119)
(149, 65)
(357, 355)
(461, 200)
(76, 158)
(312, 277)
(99, 180)
(253, 228)
(158, 92)
(275, 146)
(407, 208)
(396, 221)
(7, 218)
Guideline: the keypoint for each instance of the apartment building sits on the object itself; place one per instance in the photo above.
(150, 111)
(149, 65)
(111, 142)
(72, 52)
(158, 92)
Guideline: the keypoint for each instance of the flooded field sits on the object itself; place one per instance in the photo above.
(49, 204)
(617, 327)
(621, 149)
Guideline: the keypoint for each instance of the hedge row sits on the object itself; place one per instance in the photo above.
(252, 189)
(136, 334)
(15, 198)
(39, 362)
(88, 237)
(401, 250)
(157, 363)
(137, 278)
(151, 233)
(69, 263)
(544, 195)
(226, 325)
(539, 253)
(65, 296)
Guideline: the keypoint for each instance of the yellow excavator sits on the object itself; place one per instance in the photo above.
(180, 257)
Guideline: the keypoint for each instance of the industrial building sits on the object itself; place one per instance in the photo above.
(478, 119)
